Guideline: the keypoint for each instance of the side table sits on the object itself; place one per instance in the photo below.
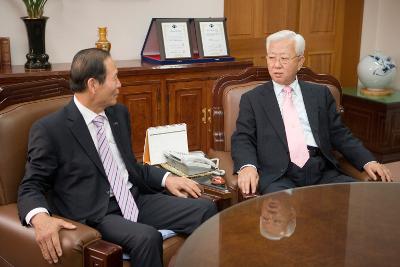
(221, 196)
(375, 120)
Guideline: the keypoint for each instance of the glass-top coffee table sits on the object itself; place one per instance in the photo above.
(355, 224)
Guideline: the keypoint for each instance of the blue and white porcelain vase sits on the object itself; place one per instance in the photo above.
(376, 71)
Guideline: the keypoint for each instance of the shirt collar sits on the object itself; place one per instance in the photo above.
(294, 85)
(88, 115)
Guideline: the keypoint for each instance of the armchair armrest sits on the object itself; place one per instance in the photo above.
(19, 248)
(242, 196)
(349, 169)
(225, 163)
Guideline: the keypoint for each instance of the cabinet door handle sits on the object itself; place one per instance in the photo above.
(209, 115)
(204, 118)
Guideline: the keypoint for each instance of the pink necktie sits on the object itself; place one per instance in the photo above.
(125, 200)
(294, 132)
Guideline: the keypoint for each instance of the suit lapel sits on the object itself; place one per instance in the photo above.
(81, 133)
(311, 105)
(271, 108)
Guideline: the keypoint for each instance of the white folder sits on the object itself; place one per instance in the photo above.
(164, 138)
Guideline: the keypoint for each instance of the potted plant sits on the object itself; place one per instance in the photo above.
(35, 8)
(35, 24)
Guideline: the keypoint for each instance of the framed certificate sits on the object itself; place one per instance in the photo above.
(174, 38)
(211, 37)
(185, 40)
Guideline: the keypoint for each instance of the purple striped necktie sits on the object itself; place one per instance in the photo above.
(120, 189)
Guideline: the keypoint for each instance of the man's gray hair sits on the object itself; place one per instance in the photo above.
(300, 43)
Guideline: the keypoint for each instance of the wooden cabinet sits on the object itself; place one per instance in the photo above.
(188, 104)
(141, 99)
(157, 95)
(331, 28)
(375, 121)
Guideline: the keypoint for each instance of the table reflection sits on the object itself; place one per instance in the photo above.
(348, 225)
(278, 216)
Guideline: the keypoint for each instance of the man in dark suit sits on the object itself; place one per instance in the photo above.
(81, 166)
(286, 129)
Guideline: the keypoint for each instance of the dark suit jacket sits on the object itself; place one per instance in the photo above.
(260, 137)
(64, 172)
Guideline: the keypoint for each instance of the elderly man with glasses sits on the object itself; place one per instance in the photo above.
(287, 128)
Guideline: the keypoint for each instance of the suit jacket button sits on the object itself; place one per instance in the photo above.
(108, 192)
(282, 171)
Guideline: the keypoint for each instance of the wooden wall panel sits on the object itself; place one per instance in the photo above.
(275, 15)
(321, 24)
(243, 28)
(280, 14)
(327, 25)
(353, 17)
(320, 62)
(248, 49)
(323, 15)
(266, 16)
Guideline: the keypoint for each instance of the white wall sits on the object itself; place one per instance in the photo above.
(381, 31)
(73, 24)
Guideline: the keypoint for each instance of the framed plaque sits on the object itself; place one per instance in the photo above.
(211, 37)
(174, 38)
(178, 41)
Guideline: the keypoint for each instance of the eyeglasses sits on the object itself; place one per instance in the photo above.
(282, 60)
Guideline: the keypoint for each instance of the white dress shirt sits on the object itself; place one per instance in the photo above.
(298, 103)
(89, 116)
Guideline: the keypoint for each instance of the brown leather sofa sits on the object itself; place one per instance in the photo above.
(227, 92)
(21, 105)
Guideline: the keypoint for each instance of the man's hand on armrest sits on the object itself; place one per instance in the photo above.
(248, 179)
(47, 236)
(373, 168)
(182, 186)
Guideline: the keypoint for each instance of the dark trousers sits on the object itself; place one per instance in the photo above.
(141, 240)
(317, 170)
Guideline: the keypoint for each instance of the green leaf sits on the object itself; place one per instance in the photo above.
(35, 8)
